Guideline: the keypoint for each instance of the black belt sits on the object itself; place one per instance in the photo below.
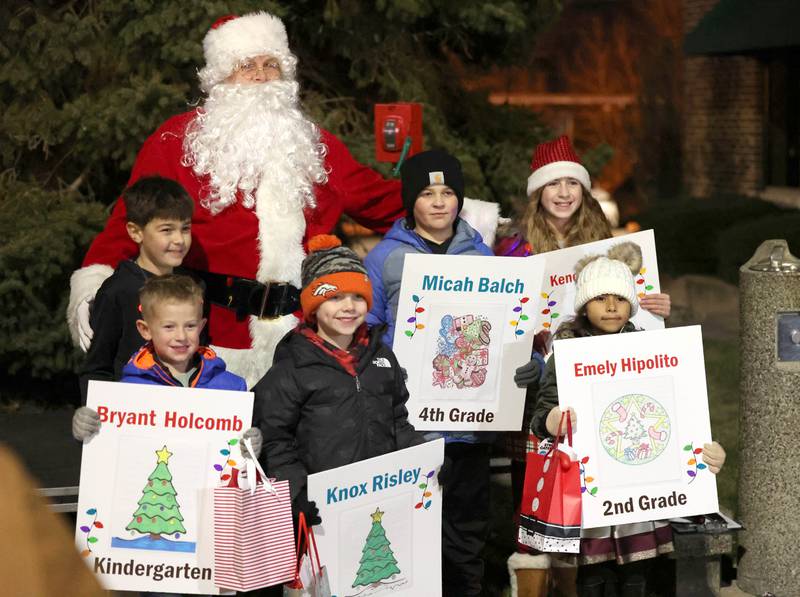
(250, 297)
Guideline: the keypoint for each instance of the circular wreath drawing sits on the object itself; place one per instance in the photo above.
(634, 429)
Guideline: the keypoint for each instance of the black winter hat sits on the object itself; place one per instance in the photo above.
(427, 168)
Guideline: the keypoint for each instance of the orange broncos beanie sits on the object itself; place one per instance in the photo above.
(330, 269)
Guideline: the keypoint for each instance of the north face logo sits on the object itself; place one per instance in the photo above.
(324, 288)
(382, 362)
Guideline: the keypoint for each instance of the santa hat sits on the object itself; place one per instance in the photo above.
(598, 275)
(233, 39)
(556, 159)
(328, 270)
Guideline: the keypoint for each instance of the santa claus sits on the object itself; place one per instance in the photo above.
(264, 179)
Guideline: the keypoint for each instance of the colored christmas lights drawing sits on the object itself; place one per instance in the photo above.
(694, 453)
(87, 530)
(549, 313)
(634, 429)
(158, 514)
(425, 498)
(228, 464)
(462, 352)
(519, 317)
(378, 566)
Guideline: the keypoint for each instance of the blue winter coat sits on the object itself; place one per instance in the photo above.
(385, 268)
(144, 368)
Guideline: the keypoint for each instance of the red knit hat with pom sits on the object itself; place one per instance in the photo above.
(328, 270)
(556, 159)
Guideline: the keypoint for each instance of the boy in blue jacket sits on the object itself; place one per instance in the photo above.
(171, 323)
(433, 195)
(172, 320)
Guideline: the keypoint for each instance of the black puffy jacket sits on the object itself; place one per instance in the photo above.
(315, 416)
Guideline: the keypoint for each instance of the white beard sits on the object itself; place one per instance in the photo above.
(243, 132)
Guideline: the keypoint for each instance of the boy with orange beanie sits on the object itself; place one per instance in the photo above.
(335, 393)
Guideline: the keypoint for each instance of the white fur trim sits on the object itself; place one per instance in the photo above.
(554, 170)
(253, 363)
(244, 37)
(525, 561)
(280, 236)
(483, 216)
(83, 285)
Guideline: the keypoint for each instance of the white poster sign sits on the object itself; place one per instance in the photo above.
(464, 325)
(381, 523)
(556, 301)
(642, 419)
(144, 521)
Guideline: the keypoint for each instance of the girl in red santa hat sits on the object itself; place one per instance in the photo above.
(561, 212)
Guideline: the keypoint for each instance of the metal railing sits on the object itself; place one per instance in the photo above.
(59, 498)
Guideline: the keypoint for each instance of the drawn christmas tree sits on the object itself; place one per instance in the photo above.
(634, 430)
(377, 560)
(158, 512)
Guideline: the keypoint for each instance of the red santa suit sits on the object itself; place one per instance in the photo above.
(258, 243)
(261, 240)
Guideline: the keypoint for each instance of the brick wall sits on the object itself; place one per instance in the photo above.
(723, 119)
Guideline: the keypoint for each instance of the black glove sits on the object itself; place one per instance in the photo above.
(309, 509)
(445, 472)
(528, 374)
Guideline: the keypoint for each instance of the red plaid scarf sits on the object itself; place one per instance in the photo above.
(346, 358)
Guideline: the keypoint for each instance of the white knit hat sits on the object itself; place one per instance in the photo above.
(233, 39)
(598, 275)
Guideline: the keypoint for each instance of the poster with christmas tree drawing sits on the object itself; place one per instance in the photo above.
(158, 512)
(144, 519)
(381, 523)
(556, 301)
(642, 419)
(464, 325)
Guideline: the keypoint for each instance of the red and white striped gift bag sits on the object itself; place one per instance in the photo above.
(253, 537)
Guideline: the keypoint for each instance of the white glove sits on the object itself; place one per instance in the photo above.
(85, 331)
(256, 439)
(85, 423)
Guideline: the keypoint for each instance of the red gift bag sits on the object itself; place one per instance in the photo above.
(253, 534)
(550, 517)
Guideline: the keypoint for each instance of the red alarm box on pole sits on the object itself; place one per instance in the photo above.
(394, 125)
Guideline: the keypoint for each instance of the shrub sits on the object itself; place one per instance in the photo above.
(738, 243)
(45, 234)
(687, 232)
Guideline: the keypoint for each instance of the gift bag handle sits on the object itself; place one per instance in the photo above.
(253, 467)
(559, 437)
(312, 541)
(303, 531)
